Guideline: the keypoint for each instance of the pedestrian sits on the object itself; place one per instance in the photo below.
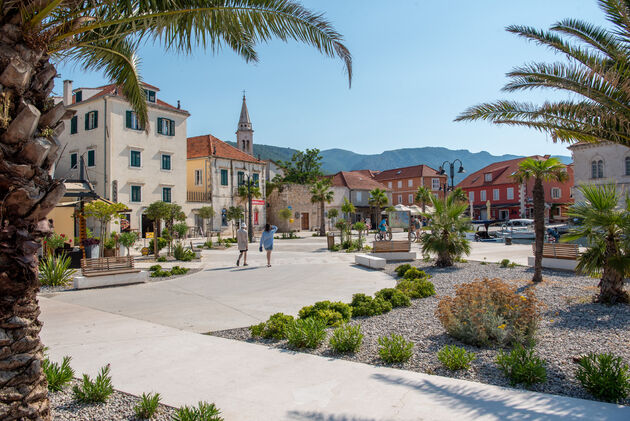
(416, 225)
(266, 241)
(241, 238)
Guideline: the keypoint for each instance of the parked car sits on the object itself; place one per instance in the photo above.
(519, 223)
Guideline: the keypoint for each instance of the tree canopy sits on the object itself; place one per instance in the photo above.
(303, 168)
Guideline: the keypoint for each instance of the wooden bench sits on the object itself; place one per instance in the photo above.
(107, 266)
(559, 251)
(398, 246)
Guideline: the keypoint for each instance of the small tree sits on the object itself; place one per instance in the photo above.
(348, 208)
(332, 214)
(360, 227)
(285, 214)
(205, 213)
(321, 193)
(157, 211)
(378, 199)
(423, 195)
(105, 213)
(234, 214)
(180, 229)
(303, 168)
(174, 213)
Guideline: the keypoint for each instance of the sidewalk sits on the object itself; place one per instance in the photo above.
(251, 382)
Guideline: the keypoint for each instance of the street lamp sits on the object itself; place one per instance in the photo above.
(250, 230)
(451, 165)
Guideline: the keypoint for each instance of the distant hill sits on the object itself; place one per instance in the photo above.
(335, 160)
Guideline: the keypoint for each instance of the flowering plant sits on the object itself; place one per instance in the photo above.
(90, 242)
(55, 241)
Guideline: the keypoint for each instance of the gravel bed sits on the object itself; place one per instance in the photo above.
(571, 326)
(119, 407)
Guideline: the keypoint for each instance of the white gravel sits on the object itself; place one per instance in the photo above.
(571, 326)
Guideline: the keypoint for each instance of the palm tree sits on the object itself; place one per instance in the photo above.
(540, 170)
(378, 199)
(96, 35)
(423, 195)
(448, 227)
(605, 227)
(460, 195)
(321, 193)
(596, 75)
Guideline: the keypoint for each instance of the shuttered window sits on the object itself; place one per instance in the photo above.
(91, 155)
(135, 159)
(166, 126)
(91, 120)
(74, 157)
(74, 125)
(166, 162)
(131, 121)
(136, 193)
(166, 194)
(224, 177)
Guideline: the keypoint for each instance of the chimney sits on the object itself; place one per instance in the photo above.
(67, 92)
(178, 105)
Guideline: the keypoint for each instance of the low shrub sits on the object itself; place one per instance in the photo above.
(176, 270)
(346, 338)
(522, 365)
(400, 270)
(204, 411)
(274, 328)
(154, 268)
(605, 376)
(148, 405)
(180, 253)
(336, 247)
(394, 349)
(332, 313)
(364, 305)
(208, 244)
(415, 273)
(161, 259)
(161, 244)
(395, 297)
(490, 312)
(416, 288)
(160, 273)
(455, 358)
(97, 391)
(55, 270)
(504, 263)
(57, 375)
(306, 333)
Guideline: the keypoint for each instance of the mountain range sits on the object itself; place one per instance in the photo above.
(334, 160)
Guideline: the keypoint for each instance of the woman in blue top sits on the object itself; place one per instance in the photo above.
(266, 241)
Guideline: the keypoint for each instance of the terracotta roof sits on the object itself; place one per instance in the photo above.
(116, 90)
(407, 172)
(501, 173)
(356, 180)
(208, 145)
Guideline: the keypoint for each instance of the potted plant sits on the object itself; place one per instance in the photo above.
(91, 246)
(55, 243)
(109, 247)
(126, 240)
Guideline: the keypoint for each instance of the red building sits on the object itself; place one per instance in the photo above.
(404, 182)
(495, 185)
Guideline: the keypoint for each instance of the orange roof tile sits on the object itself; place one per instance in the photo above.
(356, 180)
(208, 145)
(116, 90)
(501, 173)
(407, 172)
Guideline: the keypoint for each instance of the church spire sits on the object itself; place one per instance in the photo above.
(244, 122)
(245, 133)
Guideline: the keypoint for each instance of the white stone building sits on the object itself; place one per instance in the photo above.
(125, 162)
(601, 163)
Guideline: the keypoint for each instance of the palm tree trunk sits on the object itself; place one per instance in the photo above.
(29, 125)
(611, 285)
(444, 257)
(539, 228)
(322, 222)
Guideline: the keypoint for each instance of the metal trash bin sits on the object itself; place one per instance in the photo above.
(330, 238)
(508, 241)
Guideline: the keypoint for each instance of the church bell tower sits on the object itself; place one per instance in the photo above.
(245, 133)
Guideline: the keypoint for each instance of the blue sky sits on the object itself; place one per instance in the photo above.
(417, 65)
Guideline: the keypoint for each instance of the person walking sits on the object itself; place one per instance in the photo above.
(266, 241)
(241, 238)
(417, 226)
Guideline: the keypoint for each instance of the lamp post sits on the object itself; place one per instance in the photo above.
(250, 230)
(451, 165)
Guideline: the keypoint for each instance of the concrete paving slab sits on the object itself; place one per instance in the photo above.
(252, 382)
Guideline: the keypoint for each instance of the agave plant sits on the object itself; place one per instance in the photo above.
(55, 270)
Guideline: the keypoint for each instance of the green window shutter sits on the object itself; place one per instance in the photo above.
(128, 119)
(73, 160)
(224, 177)
(73, 125)
(255, 179)
(91, 158)
(87, 121)
(95, 119)
(159, 125)
(171, 127)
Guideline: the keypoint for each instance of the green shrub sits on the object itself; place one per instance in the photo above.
(521, 365)
(274, 328)
(346, 338)
(332, 313)
(208, 244)
(416, 288)
(364, 305)
(455, 358)
(394, 296)
(400, 270)
(161, 244)
(97, 391)
(128, 239)
(55, 271)
(415, 273)
(336, 247)
(202, 412)
(161, 259)
(605, 376)
(180, 253)
(490, 312)
(160, 273)
(57, 375)
(306, 333)
(394, 349)
(504, 263)
(176, 270)
(148, 405)
(155, 267)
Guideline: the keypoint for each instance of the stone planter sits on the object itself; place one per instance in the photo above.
(92, 252)
(109, 253)
(123, 251)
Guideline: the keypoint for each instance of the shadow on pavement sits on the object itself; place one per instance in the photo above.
(320, 416)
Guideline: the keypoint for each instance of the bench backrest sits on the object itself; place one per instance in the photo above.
(104, 264)
(390, 246)
(559, 251)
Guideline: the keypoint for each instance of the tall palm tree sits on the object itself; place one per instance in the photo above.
(99, 35)
(378, 199)
(605, 227)
(321, 193)
(423, 195)
(540, 170)
(596, 74)
(448, 227)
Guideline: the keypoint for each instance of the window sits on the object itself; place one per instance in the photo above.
(359, 196)
(597, 169)
(136, 193)
(74, 157)
(487, 177)
(389, 184)
(78, 96)
(74, 123)
(482, 195)
(435, 184)
(150, 95)
(131, 121)
(255, 179)
(91, 158)
(510, 193)
(135, 159)
(409, 183)
(410, 198)
(556, 193)
(166, 194)
(224, 177)
(166, 162)
(471, 196)
(400, 198)
(240, 178)
(495, 194)
(91, 120)
(627, 166)
(399, 184)
(198, 177)
(166, 126)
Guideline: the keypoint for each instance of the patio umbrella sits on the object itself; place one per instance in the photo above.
(415, 210)
(489, 215)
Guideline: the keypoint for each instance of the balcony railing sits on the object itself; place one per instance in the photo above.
(198, 196)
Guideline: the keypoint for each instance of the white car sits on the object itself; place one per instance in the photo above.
(519, 223)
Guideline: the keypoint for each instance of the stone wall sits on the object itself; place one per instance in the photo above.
(298, 197)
